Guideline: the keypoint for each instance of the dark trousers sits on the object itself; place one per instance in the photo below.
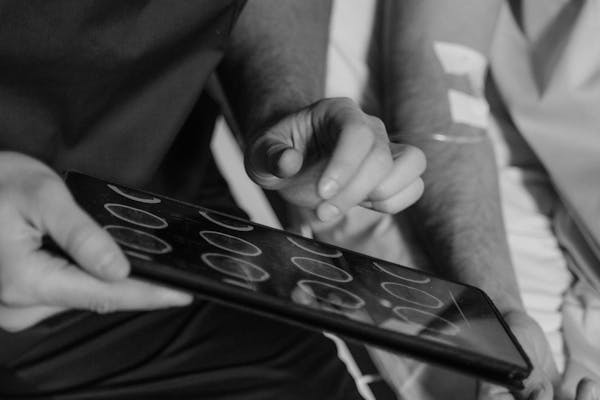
(205, 351)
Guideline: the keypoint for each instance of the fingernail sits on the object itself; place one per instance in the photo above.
(328, 188)
(327, 212)
(175, 298)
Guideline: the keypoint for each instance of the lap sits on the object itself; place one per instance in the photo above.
(202, 351)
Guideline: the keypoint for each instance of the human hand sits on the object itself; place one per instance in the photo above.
(332, 156)
(544, 377)
(35, 284)
(587, 389)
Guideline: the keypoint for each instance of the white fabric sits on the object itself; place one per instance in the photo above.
(349, 44)
(528, 203)
(564, 308)
(552, 91)
(468, 109)
(558, 113)
(457, 59)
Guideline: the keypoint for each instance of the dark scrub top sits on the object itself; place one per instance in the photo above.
(114, 89)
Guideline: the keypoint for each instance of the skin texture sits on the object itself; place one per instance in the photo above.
(459, 216)
(326, 155)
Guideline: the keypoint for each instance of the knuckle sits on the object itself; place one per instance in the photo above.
(377, 124)
(360, 136)
(343, 101)
(334, 104)
(382, 159)
(359, 128)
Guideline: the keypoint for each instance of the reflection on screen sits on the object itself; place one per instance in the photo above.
(297, 271)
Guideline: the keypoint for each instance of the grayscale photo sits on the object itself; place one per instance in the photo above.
(300, 199)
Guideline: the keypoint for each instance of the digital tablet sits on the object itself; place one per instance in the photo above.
(302, 281)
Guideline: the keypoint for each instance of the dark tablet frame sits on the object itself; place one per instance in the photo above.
(462, 359)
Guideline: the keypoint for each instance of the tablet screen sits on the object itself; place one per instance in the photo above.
(303, 280)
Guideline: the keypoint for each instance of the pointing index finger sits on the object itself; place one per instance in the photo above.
(353, 136)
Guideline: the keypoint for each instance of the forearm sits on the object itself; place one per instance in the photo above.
(276, 62)
(459, 216)
(460, 219)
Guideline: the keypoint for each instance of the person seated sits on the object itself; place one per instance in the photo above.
(117, 90)
(422, 67)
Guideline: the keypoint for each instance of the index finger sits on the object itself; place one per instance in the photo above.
(354, 135)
